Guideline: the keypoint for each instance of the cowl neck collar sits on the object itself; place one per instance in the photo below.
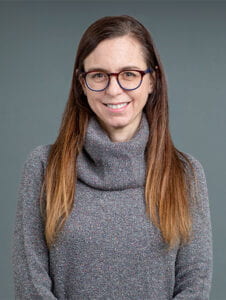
(106, 165)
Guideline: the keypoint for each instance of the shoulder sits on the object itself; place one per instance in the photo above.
(37, 157)
(197, 182)
(192, 165)
(40, 152)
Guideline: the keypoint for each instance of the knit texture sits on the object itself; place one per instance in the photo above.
(108, 249)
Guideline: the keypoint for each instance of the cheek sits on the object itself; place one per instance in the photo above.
(149, 85)
(92, 99)
(147, 90)
(140, 99)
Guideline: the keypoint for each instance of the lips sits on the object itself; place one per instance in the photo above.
(116, 106)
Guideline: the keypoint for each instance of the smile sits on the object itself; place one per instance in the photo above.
(116, 106)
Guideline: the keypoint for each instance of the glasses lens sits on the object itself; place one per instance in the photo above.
(129, 79)
(96, 80)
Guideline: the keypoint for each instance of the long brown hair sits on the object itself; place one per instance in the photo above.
(166, 191)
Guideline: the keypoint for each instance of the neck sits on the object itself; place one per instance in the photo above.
(122, 134)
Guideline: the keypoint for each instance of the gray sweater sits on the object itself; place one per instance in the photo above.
(108, 249)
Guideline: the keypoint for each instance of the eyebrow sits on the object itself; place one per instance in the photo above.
(119, 70)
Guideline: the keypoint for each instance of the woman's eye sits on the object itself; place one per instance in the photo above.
(98, 75)
(129, 74)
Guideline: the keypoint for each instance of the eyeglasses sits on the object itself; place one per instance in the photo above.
(128, 80)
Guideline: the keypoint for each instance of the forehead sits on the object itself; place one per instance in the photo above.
(113, 54)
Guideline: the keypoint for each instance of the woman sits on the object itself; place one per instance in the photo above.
(112, 210)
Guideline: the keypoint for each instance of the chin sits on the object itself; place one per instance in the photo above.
(117, 124)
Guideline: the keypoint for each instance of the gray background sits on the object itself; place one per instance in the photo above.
(38, 42)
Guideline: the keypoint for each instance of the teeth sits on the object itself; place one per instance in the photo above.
(116, 105)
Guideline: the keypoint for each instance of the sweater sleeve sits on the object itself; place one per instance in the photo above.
(194, 260)
(30, 254)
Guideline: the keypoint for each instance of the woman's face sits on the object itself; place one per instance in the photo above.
(115, 55)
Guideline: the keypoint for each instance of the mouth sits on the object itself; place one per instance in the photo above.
(117, 106)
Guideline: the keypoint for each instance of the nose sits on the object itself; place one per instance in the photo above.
(113, 87)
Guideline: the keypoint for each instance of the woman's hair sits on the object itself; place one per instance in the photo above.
(166, 187)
